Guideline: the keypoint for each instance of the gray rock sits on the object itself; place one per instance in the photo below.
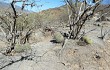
(4, 60)
(31, 65)
(37, 37)
(15, 58)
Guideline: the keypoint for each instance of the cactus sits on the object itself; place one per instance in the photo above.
(58, 37)
(87, 40)
(21, 48)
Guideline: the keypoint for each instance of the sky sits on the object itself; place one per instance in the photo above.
(46, 4)
(104, 2)
(41, 4)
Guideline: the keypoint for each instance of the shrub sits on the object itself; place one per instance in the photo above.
(22, 47)
(58, 37)
(87, 40)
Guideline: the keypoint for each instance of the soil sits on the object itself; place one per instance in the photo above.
(46, 55)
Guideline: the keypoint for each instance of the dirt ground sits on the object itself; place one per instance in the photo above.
(46, 55)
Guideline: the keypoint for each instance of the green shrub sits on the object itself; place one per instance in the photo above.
(22, 47)
(87, 40)
(58, 37)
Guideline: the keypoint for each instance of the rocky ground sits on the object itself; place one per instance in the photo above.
(46, 55)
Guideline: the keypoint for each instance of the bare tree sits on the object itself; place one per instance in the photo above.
(10, 29)
(78, 13)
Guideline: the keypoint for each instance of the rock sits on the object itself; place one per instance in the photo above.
(15, 58)
(40, 48)
(4, 60)
(81, 43)
(31, 65)
(37, 36)
(21, 65)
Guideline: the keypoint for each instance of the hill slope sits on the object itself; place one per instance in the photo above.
(59, 14)
(54, 15)
(7, 7)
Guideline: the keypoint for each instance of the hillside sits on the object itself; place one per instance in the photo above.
(104, 9)
(50, 48)
(60, 15)
(3, 5)
(7, 7)
(54, 15)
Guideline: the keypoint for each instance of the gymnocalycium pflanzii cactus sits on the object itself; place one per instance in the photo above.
(58, 37)
(87, 40)
(22, 47)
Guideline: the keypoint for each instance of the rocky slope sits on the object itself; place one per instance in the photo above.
(46, 55)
